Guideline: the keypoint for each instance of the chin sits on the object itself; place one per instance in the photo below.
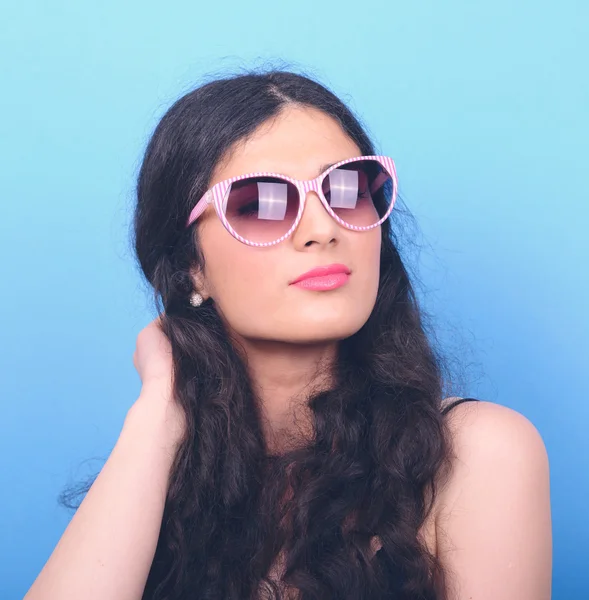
(316, 330)
(310, 323)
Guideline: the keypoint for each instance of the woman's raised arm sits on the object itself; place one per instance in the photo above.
(108, 547)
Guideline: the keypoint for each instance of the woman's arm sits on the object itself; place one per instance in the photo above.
(107, 548)
(493, 523)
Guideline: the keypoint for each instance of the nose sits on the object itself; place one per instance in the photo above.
(316, 227)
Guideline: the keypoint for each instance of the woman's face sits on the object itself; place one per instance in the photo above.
(251, 286)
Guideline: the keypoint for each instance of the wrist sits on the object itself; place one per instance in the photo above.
(155, 411)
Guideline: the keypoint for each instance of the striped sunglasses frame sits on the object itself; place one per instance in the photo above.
(217, 193)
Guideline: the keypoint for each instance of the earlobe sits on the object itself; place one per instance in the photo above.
(199, 282)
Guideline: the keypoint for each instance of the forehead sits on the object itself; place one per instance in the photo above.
(297, 143)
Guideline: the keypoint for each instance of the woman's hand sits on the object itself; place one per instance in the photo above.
(153, 356)
(153, 361)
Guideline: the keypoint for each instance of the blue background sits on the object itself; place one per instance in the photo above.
(484, 107)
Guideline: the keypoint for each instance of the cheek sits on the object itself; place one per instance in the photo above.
(367, 261)
(241, 280)
(366, 249)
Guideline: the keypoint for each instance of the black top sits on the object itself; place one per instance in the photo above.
(456, 403)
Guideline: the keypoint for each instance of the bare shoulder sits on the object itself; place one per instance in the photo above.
(488, 431)
(492, 439)
(493, 526)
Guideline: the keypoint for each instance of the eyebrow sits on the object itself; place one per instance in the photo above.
(324, 168)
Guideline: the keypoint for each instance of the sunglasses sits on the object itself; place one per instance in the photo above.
(263, 209)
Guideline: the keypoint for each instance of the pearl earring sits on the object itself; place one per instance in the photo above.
(196, 299)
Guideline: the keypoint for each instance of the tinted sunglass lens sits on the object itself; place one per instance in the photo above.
(261, 209)
(360, 192)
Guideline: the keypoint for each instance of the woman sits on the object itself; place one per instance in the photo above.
(291, 439)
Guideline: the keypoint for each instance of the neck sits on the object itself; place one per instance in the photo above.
(283, 375)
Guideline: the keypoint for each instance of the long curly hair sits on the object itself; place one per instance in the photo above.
(380, 447)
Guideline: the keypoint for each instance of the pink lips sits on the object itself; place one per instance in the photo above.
(325, 278)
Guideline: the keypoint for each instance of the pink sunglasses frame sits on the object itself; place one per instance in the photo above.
(217, 193)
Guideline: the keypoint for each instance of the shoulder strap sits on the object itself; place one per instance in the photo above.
(456, 403)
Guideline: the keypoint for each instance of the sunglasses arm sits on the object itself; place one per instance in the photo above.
(199, 208)
(377, 183)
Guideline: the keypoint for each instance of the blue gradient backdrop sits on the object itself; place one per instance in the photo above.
(483, 105)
